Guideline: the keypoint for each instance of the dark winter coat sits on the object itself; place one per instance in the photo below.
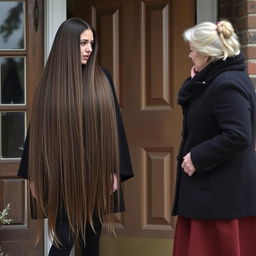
(219, 131)
(126, 171)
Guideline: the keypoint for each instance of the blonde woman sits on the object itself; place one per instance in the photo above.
(76, 154)
(215, 192)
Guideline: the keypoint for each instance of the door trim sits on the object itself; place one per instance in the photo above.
(207, 10)
(52, 22)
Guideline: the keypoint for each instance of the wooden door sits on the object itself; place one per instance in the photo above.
(141, 44)
(21, 62)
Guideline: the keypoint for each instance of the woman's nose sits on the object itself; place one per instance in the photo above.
(88, 48)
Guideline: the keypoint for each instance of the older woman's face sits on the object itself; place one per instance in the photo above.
(86, 42)
(199, 60)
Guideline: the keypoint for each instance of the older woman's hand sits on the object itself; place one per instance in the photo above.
(187, 165)
(193, 71)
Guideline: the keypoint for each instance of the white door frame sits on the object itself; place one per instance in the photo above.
(55, 13)
(207, 10)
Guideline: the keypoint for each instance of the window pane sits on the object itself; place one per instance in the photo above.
(12, 134)
(12, 73)
(12, 18)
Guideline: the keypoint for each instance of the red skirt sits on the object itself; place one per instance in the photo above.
(236, 237)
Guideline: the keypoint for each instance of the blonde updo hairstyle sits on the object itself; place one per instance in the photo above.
(218, 41)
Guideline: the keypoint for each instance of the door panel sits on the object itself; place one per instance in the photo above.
(21, 62)
(108, 21)
(141, 44)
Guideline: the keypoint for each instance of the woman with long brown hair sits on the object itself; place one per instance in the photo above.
(76, 153)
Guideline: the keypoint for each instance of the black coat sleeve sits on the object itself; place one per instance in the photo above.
(126, 171)
(23, 168)
(232, 110)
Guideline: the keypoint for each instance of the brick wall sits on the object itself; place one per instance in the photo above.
(242, 13)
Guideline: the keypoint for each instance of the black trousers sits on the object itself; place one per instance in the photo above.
(88, 248)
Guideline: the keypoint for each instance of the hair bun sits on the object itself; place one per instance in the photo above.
(225, 28)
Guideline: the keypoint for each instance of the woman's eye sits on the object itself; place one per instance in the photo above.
(84, 43)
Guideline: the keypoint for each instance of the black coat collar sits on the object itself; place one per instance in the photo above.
(207, 75)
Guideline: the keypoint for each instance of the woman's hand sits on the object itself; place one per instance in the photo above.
(32, 189)
(193, 71)
(114, 183)
(187, 165)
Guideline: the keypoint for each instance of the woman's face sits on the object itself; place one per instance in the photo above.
(86, 42)
(199, 60)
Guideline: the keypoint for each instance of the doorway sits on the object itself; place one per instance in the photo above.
(141, 44)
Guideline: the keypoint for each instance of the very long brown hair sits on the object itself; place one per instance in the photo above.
(73, 141)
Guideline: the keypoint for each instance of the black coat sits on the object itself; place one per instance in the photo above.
(126, 171)
(219, 131)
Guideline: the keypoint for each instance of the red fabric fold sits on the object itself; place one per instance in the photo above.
(234, 237)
